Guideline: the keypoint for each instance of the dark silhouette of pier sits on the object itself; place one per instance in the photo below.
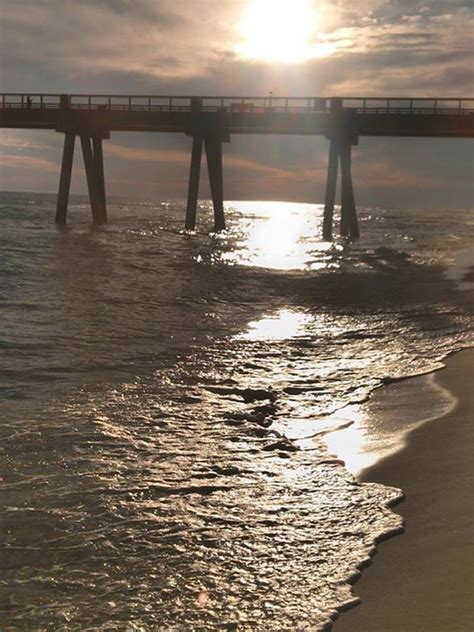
(211, 121)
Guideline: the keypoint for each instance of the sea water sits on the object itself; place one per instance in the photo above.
(165, 399)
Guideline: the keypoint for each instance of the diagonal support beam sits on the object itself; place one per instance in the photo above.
(349, 224)
(193, 187)
(92, 181)
(65, 178)
(214, 166)
(99, 170)
(330, 196)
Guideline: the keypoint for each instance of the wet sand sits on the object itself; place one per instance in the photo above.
(423, 580)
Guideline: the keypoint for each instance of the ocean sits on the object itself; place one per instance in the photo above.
(166, 400)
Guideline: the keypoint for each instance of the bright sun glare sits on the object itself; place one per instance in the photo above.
(278, 30)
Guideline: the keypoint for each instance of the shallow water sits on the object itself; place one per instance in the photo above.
(157, 391)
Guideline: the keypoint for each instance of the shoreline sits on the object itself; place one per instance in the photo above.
(424, 579)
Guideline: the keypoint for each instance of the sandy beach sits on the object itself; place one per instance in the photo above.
(423, 580)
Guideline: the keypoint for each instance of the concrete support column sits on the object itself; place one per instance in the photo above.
(98, 215)
(193, 187)
(214, 166)
(342, 132)
(99, 169)
(331, 183)
(65, 178)
(349, 224)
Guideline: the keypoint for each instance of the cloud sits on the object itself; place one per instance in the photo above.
(141, 36)
(382, 174)
(232, 161)
(28, 162)
(20, 140)
(144, 154)
(177, 40)
(374, 48)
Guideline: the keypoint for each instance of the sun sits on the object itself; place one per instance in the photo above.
(278, 30)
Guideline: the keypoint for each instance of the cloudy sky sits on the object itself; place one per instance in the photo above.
(242, 47)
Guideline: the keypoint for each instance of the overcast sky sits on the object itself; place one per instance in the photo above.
(205, 47)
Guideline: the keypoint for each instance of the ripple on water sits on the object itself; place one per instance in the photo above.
(197, 522)
(163, 456)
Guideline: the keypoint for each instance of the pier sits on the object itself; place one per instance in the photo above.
(211, 121)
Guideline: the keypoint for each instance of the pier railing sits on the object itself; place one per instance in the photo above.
(167, 103)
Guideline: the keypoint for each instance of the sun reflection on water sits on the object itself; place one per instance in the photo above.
(353, 443)
(281, 326)
(377, 429)
(282, 236)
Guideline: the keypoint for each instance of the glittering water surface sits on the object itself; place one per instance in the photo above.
(166, 397)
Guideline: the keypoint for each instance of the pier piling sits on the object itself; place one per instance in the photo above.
(65, 178)
(214, 166)
(93, 177)
(193, 188)
(330, 197)
(342, 134)
(99, 171)
(349, 225)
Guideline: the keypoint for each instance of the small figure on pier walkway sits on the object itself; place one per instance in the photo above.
(29, 102)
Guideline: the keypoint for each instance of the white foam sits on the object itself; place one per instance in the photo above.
(462, 266)
(380, 427)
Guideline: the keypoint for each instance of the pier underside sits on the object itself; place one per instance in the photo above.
(210, 121)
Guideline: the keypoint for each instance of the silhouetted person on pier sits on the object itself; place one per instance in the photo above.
(29, 102)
